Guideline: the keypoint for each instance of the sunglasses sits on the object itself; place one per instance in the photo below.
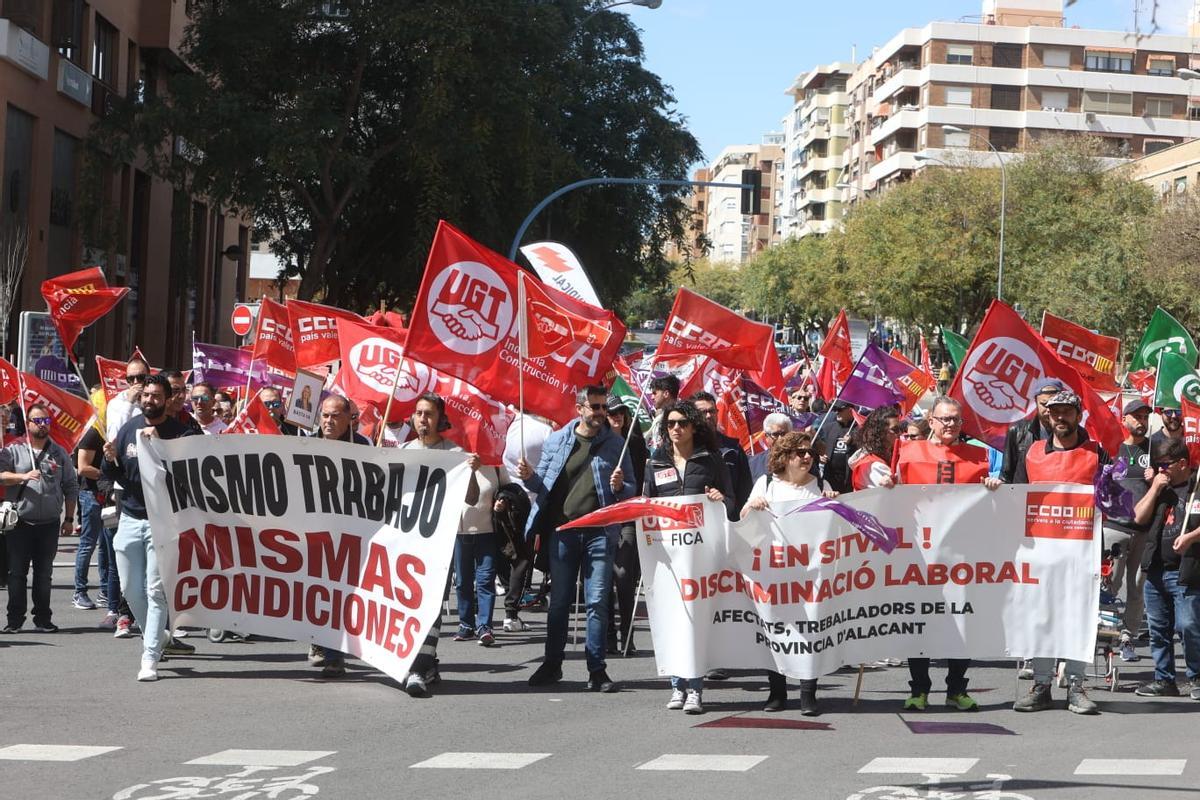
(803, 452)
(136, 378)
(773, 434)
(949, 421)
(910, 437)
(39, 420)
(593, 406)
(200, 398)
(272, 403)
(1171, 413)
(1167, 464)
(678, 423)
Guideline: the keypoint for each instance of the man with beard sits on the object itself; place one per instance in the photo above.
(1124, 538)
(1172, 427)
(137, 562)
(1068, 456)
(41, 482)
(1021, 435)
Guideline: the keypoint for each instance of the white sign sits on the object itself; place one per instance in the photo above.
(1012, 573)
(557, 266)
(343, 545)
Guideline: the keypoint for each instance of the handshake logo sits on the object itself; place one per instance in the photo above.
(470, 308)
(998, 379)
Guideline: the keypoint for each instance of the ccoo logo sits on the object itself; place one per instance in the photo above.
(998, 379)
(1187, 388)
(470, 308)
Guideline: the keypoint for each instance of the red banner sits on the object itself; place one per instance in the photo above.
(77, 300)
(370, 356)
(837, 353)
(914, 385)
(71, 414)
(464, 321)
(314, 331)
(996, 382)
(1093, 355)
(548, 328)
(1191, 429)
(254, 419)
(273, 337)
(698, 326)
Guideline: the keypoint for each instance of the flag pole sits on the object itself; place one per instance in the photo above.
(633, 417)
(387, 409)
(88, 394)
(25, 417)
(522, 349)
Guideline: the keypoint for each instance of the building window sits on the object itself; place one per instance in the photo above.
(1108, 61)
(1181, 185)
(1154, 145)
(958, 96)
(1163, 66)
(1055, 100)
(104, 54)
(1056, 58)
(1108, 102)
(956, 138)
(1160, 107)
(1004, 139)
(960, 54)
(25, 14)
(1007, 55)
(1193, 111)
(1006, 98)
(67, 29)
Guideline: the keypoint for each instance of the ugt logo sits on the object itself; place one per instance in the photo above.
(375, 361)
(998, 379)
(470, 308)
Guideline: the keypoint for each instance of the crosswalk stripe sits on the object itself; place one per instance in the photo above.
(52, 752)
(480, 761)
(919, 766)
(690, 762)
(262, 758)
(1131, 766)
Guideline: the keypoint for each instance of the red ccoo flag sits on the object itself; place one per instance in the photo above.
(699, 327)
(70, 414)
(77, 300)
(1191, 429)
(547, 328)
(314, 331)
(1093, 355)
(273, 337)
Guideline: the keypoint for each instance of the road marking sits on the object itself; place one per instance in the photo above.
(52, 752)
(262, 758)
(685, 762)
(480, 761)
(919, 766)
(1131, 766)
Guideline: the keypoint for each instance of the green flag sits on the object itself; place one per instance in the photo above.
(1163, 334)
(957, 346)
(1175, 379)
(629, 397)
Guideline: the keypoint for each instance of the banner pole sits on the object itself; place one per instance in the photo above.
(25, 417)
(632, 617)
(858, 684)
(92, 403)
(522, 349)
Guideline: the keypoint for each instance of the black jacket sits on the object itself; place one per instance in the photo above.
(125, 471)
(738, 464)
(703, 470)
(1017, 440)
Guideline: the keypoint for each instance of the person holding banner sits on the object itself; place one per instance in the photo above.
(1021, 435)
(871, 465)
(627, 569)
(582, 469)
(688, 464)
(943, 458)
(790, 478)
(137, 564)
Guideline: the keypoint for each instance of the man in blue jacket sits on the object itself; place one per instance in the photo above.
(582, 469)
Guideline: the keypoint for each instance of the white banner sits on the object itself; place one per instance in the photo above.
(558, 266)
(1010, 573)
(343, 545)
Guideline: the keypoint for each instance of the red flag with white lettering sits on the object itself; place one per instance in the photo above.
(254, 419)
(996, 381)
(1092, 355)
(71, 415)
(1191, 429)
(370, 356)
(314, 331)
(547, 328)
(731, 419)
(273, 337)
(78, 299)
(914, 385)
(464, 321)
(698, 326)
(837, 352)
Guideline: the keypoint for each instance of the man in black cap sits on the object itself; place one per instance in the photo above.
(835, 436)
(1124, 538)
(1035, 429)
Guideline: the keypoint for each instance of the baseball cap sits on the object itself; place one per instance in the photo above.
(613, 403)
(1048, 385)
(1065, 399)
(1135, 405)
(840, 405)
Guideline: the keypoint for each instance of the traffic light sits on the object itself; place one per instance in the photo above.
(752, 197)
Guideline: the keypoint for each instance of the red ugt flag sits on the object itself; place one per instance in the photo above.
(548, 328)
(78, 299)
(995, 383)
(254, 418)
(698, 326)
(273, 337)
(371, 356)
(465, 322)
(314, 331)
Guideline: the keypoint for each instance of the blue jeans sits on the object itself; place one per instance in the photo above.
(687, 684)
(593, 550)
(141, 583)
(475, 564)
(90, 536)
(1171, 606)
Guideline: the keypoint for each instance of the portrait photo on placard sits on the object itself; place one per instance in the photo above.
(305, 399)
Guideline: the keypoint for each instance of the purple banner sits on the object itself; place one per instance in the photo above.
(872, 383)
(759, 403)
(228, 367)
(58, 372)
(868, 524)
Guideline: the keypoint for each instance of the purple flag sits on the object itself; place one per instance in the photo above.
(1111, 497)
(228, 367)
(759, 403)
(873, 382)
(882, 536)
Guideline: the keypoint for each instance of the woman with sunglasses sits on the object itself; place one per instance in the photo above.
(688, 463)
(871, 465)
(789, 478)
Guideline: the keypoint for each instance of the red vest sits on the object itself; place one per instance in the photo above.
(1077, 465)
(862, 468)
(923, 462)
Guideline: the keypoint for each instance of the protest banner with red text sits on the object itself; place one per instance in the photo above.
(78, 299)
(805, 592)
(1093, 355)
(341, 545)
(314, 331)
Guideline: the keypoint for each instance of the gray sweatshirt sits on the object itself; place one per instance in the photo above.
(43, 499)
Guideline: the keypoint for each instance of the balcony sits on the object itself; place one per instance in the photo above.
(21, 48)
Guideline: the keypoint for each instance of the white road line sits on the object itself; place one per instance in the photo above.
(262, 758)
(52, 752)
(919, 766)
(480, 761)
(1131, 766)
(703, 763)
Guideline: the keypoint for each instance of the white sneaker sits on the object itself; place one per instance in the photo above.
(676, 701)
(514, 625)
(179, 633)
(414, 684)
(693, 705)
(1128, 653)
(149, 670)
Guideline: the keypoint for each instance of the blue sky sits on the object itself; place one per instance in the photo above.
(730, 61)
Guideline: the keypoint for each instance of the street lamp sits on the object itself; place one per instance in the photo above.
(651, 4)
(1003, 197)
(1188, 74)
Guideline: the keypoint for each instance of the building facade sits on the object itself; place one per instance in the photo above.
(63, 65)
(1171, 172)
(716, 211)
(815, 150)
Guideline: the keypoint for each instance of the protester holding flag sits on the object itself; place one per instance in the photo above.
(581, 469)
(42, 485)
(626, 566)
(871, 464)
(1021, 435)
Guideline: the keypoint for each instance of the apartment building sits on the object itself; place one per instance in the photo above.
(1170, 172)
(717, 216)
(63, 65)
(816, 136)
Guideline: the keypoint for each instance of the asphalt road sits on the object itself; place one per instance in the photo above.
(242, 720)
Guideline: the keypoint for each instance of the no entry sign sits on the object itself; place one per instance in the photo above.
(242, 319)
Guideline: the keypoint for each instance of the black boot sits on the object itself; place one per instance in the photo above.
(808, 699)
(777, 700)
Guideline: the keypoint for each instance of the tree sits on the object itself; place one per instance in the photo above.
(1172, 270)
(351, 136)
(14, 255)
